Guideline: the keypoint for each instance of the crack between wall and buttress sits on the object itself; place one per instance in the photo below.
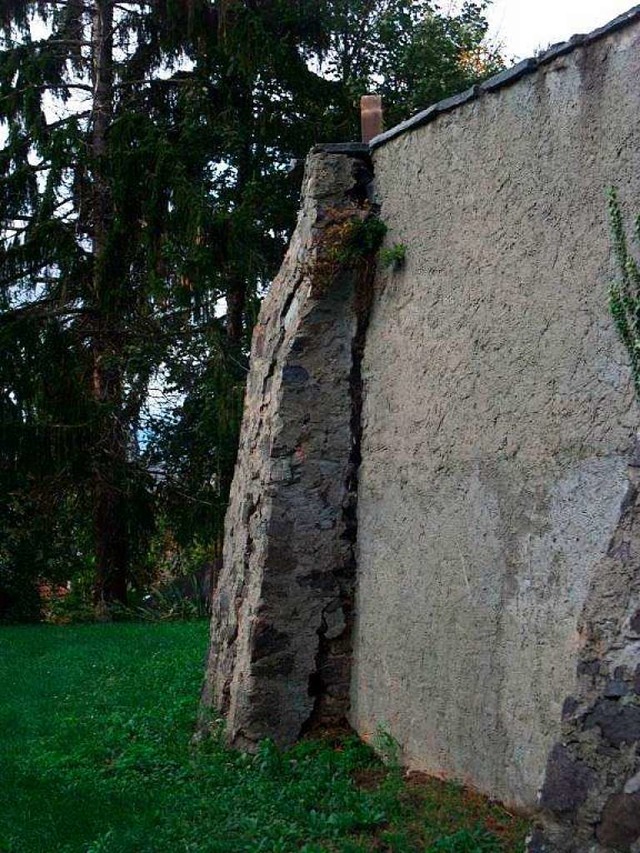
(330, 682)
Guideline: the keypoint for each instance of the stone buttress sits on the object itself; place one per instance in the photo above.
(280, 652)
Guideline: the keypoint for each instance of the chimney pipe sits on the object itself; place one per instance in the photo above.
(370, 116)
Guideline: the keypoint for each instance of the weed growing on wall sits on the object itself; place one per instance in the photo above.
(348, 241)
(363, 239)
(387, 748)
(624, 292)
(394, 256)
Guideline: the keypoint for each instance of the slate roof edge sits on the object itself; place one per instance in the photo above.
(356, 149)
(506, 77)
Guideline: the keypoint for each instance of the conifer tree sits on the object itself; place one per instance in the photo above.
(99, 219)
(145, 203)
(141, 179)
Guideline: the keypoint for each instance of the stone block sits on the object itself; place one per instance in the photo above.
(620, 825)
(618, 723)
(567, 782)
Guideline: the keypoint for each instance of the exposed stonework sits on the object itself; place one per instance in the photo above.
(591, 792)
(281, 629)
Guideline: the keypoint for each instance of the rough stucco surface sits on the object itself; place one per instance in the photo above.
(280, 630)
(498, 418)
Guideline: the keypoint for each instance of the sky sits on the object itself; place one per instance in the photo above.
(524, 26)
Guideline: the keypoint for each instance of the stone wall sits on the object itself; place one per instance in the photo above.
(498, 424)
(476, 467)
(280, 650)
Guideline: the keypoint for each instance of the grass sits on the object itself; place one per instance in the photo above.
(96, 757)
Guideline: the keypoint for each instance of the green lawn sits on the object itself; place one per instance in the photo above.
(96, 755)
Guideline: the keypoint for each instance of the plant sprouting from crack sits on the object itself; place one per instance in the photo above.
(624, 292)
(349, 239)
(393, 256)
(360, 239)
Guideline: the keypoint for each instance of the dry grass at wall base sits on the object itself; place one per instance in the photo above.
(97, 754)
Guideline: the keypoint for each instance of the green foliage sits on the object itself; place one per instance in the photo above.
(86, 191)
(347, 242)
(97, 753)
(387, 747)
(179, 598)
(34, 547)
(138, 235)
(466, 841)
(442, 54)
(360, 239)
(624, 293)
(194, 446)
(409, 51)
(393, 256)
(169, 604)
(76, 607)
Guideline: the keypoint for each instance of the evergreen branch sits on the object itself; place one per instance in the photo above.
(46, 87)
(71, 117)
(26, 167)
(63, 42)
(43, 309)
(30, 218)
(158, 81)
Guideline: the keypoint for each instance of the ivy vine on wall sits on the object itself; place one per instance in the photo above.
(624, 291)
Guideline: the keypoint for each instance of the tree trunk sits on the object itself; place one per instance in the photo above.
(109, 464)
(239, 276)
(110, 527)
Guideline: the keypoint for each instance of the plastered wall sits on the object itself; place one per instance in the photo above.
(498, 418)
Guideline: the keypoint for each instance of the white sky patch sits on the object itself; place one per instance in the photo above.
(523, 27)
